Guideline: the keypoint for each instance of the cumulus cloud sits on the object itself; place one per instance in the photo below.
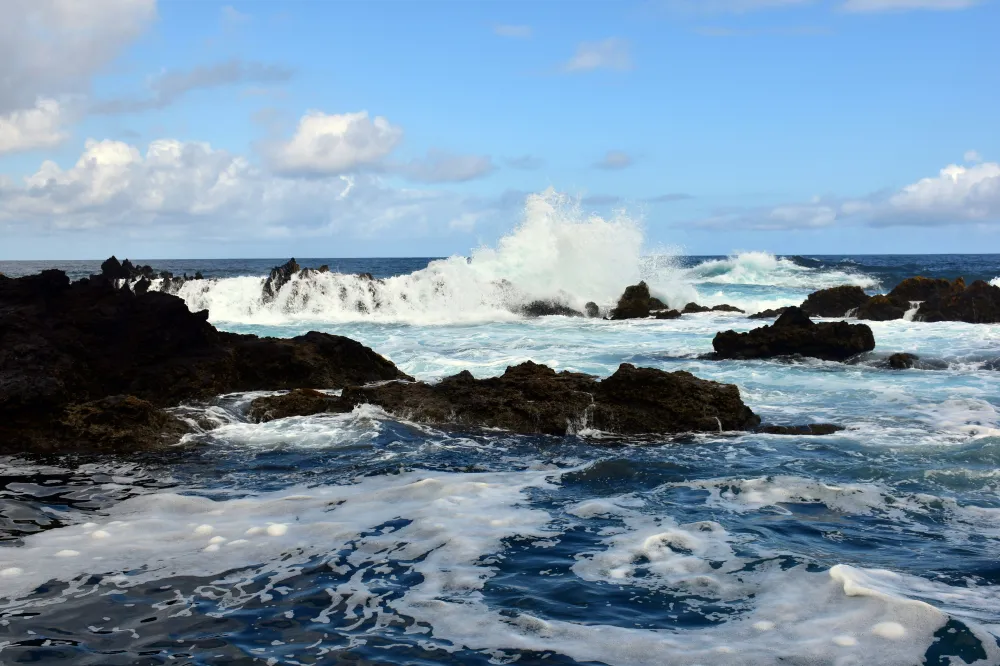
(50, 48)
(442, 167)
(191, 189)
(170, 86)
(513, 31)
(612, 54)
(615, 159)
(331, 144)
(906, 5)
(38, 127)
(958, 194)
(972, 156)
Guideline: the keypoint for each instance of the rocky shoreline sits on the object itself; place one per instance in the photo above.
(95, 364)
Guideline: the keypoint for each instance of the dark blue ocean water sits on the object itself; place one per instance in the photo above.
(366, 539)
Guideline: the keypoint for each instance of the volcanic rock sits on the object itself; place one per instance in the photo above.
(534, 399)
(300, 402)
(65, 344)
(834, 302)
(809, 429)
(882, 308)
(924, 289)
(694, 308)
(592, 309)
(279, 277)
(119, 423)
(979, 303)
(547, 308)
(666, 314)
(902, 361)
(795, 334)
(768, 314)
(636, 303)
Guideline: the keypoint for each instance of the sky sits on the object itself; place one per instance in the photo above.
(201, 129)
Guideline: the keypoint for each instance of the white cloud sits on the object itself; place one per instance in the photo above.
(442, 167)
(39, 127)
(330, 144)
(906, 5)
(615, 159)
(50, 48)
(190, 190)
(233, 18)
(170, 86)
(972, 156)
(958, 194)
(612, 53)
(513, 31)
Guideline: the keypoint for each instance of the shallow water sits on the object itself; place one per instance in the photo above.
(365, 539)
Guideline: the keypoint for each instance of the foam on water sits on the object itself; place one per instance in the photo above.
(450, 529)
(763, 268)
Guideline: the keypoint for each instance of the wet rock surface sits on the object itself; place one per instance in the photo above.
(882, 308)
(903, 361)
(694, 308)
(795, 334)
(815, 429)
(549, 308)
(768, 314)
(300, 402)
(636, 303)
(979, 303)
(534, 399)
(834, 302)
(65, 344)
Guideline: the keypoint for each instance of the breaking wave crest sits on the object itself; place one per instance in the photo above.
(556, 255)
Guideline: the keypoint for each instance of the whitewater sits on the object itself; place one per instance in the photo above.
(366, 538)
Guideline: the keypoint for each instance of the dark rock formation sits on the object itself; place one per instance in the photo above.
(882, 308)
(547, 308)
(534, 399)
(768, 314)
(694, 308)
(979, 303)
(636, 303)
(810, 429)
(65, 344)
(279, 277)
(795, 334)
(834, 302)
(666, 314)
(300, 402)
(120, 423)
(592, 309)
(902, 361)
(924, 289)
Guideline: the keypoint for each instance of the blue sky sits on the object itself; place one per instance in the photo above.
(226, 129)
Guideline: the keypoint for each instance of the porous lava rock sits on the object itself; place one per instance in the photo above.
(795, 334)
(835, 301)
(979, 303)
(903, 361)
(636, 303)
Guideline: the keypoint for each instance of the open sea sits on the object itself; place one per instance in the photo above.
(363, 539)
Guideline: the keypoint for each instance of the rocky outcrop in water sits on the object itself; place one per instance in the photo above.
(979, 303)
(64, 345)
(795, 334)
(694, 308)
(881, 308)
(636, 303)
(534, 399)
(902, 361)
(811, 429)
(592, 309)
(768, 314)
(834, 302)
(548, 308)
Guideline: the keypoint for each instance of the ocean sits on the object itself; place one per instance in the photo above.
(366, 539)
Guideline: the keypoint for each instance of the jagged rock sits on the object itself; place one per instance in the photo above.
(666, 314)
(881, 308)
(636, 303)
(694, 308)
(902, 361)
(768, 314)
(120, 423)
(795, 334)
(112, 269)
(979, 303)
(63, 344)
(809, 429)
(924, 289)
(592, 309)
(834, 302)
(547, 308)
(142, 286)
(279, 277)
(198, 276)
(300, 402)
(534, 399)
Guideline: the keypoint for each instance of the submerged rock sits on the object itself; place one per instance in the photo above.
(65, 344)
(548, 308)
(694, 308)
(636, 303)
(795, 334)
(534, 399)
(120, 423)
(300, 402)
(903, 361)
(666, 314)
(816, 429)
(835, 302)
